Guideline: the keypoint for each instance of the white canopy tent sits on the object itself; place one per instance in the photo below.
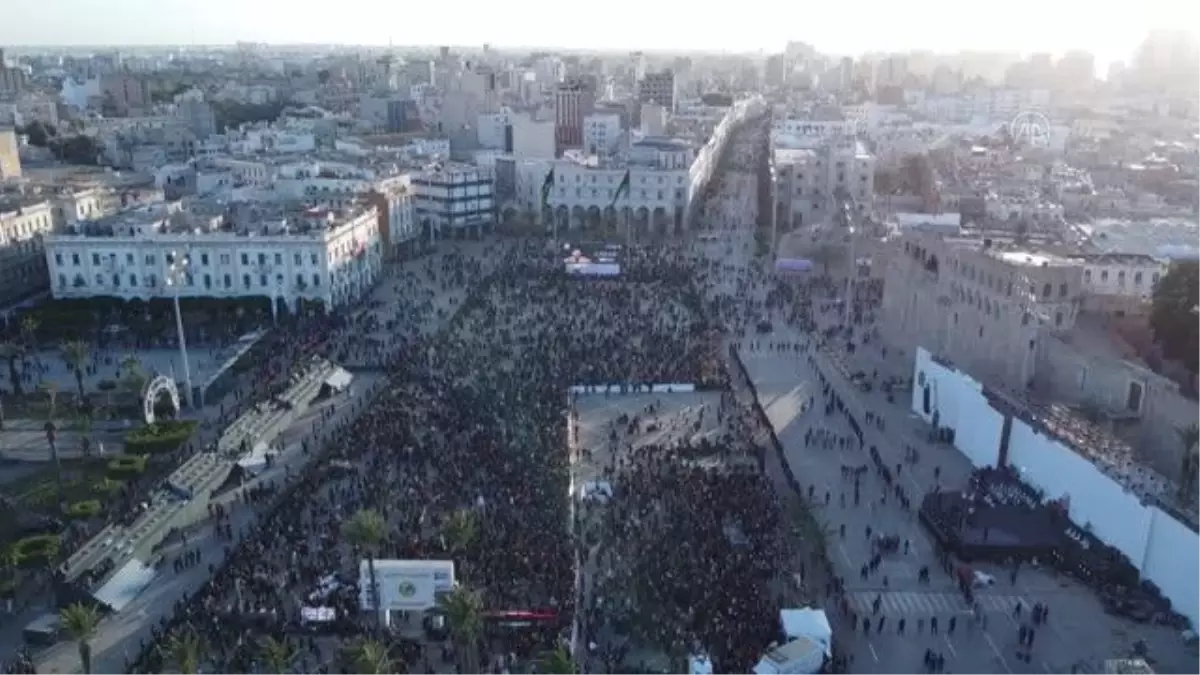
(802, 656)
(120, 590)
(808, 623)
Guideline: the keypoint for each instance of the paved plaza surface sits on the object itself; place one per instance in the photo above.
(1078, 632)
(120, 636)
(48, 367)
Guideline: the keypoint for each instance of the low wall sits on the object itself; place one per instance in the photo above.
(632, 389)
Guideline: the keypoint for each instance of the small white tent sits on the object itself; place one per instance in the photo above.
(808, 623)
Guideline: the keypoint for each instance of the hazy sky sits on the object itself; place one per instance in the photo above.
(1109, 30)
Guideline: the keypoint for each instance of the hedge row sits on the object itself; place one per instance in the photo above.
(37, 551)
(165, 436)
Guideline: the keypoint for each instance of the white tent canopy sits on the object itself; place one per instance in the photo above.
(124, 586)
(802, 656)
(808, 623)
(700, 664)
(339, 380)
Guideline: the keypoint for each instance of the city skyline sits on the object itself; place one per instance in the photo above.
(1023, 26)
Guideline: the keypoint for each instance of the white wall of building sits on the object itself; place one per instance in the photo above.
(532, 139)
(335, 266)
(601, 132)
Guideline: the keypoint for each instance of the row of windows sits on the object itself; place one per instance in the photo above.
(223, 258)
(1137, 277)
(611, 180)
(608, 193)
(189, 280)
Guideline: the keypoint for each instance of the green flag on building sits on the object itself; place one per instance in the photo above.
(547, 185)
(622, 189)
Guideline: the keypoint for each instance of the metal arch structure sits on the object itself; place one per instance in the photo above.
(156, 386)
(1030, 128)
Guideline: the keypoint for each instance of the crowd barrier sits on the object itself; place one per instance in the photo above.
(632, 389)
(762, 416)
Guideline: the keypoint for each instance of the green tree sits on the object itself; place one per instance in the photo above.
(371, 656)
(279, 655)
(1189, 436)
(77, 353)
(183, 649)
(133, 375)
(80, 622)
(51, 432)
(1173, 313)
(38, 133)
(463, 609)
(366, 531)
(558, 661)
(460, 531)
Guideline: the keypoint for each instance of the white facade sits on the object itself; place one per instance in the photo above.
(654, 119)
(1131, 276)
(333, 265)
(807, 181)
(601, 132)
(22, 262)
(491, 130)
(532, 138)
(453, 199)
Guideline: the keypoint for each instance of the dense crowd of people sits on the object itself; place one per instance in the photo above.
(471, 419)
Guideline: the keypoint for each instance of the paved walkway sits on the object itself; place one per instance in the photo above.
(1079, 632)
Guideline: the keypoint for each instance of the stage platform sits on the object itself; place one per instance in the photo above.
(994, 532)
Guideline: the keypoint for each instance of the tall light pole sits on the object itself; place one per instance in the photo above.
(774, 208)
(177, 273)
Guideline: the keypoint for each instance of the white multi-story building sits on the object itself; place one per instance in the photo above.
(666, 176)
(23, 224)
(454, 200)
(809, 181)
(661, 187)
(292, 253)
(601, 133)
(492, 130)
(532, 138)
(1120, 283)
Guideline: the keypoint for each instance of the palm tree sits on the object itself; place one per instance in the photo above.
(132, 372)
(76, 353)
(51, 432)
(183, 649)
(80, 622)
(460, 530)
(279, 655)
(366, 530)
(557, 661)
(371, 656)
(1188, 438)
(463, 609)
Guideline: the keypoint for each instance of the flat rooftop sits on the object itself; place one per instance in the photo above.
(1034, 259)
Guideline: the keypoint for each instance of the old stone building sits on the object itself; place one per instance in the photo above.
(980, 304)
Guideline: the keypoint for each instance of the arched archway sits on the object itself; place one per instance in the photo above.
(679, 219)
(578, 217)
(641, 221)
(159, 387)
(562, 217)
(594, 217)
(610, 219)
(660, 221)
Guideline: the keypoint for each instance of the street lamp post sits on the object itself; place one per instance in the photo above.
(176, 274)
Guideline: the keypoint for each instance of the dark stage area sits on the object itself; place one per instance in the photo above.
(975, 530)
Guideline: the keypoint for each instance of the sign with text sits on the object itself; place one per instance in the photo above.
(405, 584)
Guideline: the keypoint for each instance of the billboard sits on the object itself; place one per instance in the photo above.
(405, 584)
(592, 259)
